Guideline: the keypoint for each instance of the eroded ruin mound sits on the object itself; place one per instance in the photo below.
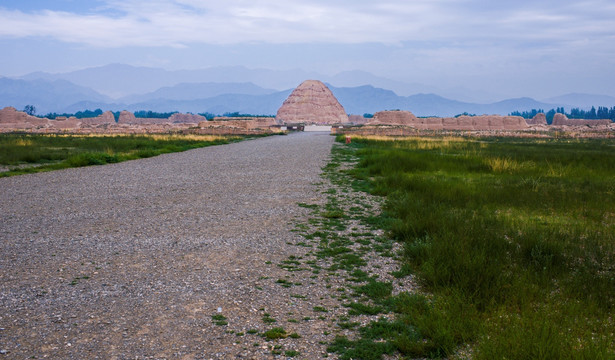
(10, 118)
(538, 119)
(126, 117)
(312, 103)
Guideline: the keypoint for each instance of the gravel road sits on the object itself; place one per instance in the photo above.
(131, 260)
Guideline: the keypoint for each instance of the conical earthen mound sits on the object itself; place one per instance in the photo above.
(312, 103)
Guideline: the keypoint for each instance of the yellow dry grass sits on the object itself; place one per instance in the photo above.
(163, 137)
(416, 142)
(193, 137)
(23, 142)
(503, 165)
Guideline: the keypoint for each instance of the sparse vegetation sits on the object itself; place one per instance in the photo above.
(27, 153)
(513, 240)
(267, 319)
(275, 333)
(219, 319)
(291, 353)
(75, 281)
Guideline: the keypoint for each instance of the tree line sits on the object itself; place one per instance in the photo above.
(575, 113)
(78, 114)
(211, 116)
(31, 110)
(98, 112)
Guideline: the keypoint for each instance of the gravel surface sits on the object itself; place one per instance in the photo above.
(131, 260)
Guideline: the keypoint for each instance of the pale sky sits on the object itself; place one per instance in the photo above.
(537, 48)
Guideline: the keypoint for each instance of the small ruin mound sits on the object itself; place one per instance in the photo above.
(126, 117)
(560, 119)
(538, 119)
(10, 118)
(311, 103)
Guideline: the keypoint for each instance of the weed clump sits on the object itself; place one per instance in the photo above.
(275, 333)
(219, 320)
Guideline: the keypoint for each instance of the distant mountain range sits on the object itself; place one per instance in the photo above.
(118, 80)
(237, 89)
(187, 91)
(46, 95)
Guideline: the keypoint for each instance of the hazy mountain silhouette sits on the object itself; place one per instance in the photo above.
(193, 91)
(367, 99)
(583, 100)
(118, 80)
(255, 91)
(46, 96)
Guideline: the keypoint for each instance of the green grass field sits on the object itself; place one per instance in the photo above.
(513, 241)
(27, 153)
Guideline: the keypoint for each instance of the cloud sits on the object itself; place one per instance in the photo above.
(183, 22)
(479, 42)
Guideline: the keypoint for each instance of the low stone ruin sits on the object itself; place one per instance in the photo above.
(104, 118)
(563, 120)
(357, 119)
(187, 118)
(405, 118)
(13, 120)
(63, 123)
(469, 123)
(126, 117)
(244, 122)
(236, 125)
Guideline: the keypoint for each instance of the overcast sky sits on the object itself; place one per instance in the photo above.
(537, 48)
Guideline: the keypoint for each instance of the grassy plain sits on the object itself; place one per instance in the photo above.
(27, 153)
(513, 242)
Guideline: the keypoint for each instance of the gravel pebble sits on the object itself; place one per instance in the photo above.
(131, 260)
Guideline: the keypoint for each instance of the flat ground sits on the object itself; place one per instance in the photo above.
(131, 260)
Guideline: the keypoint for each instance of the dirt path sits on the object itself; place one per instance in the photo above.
(132, 260)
